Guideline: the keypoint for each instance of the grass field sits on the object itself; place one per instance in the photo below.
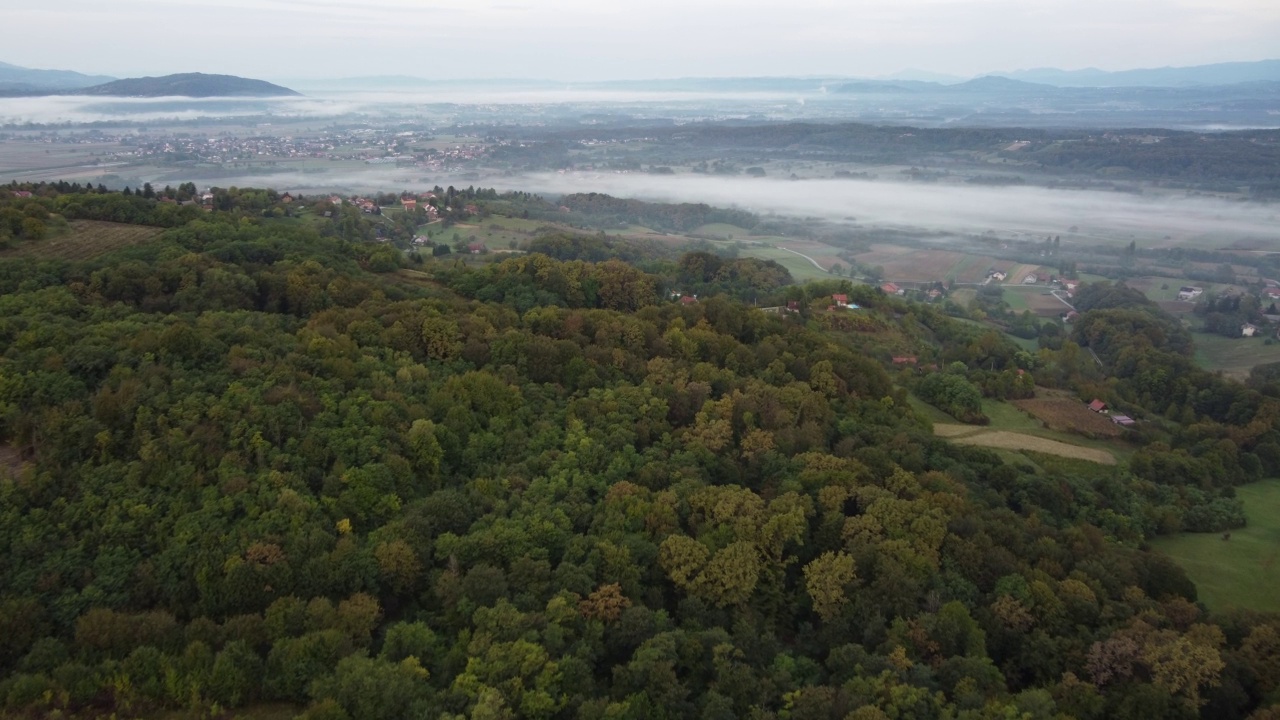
(1233, 356)
(1015, 432)
(1005, 440)
(85, 239)
(1242, 572)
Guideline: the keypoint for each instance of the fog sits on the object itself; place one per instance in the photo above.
(935, 208)
(59, 109)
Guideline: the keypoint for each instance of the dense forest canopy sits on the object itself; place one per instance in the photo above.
(254, 461)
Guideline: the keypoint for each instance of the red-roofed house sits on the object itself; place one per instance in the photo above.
(688, 300)
(840, 300)
(409, 204)
(904, 360)
(22, 193)
(1097, 406)
(892, 289)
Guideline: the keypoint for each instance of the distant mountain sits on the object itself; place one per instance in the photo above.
(995, 83)
(1217, 74)
(188, 85)
(924, 76)
(13, 77)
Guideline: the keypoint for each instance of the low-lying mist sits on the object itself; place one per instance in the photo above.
(1155, 220)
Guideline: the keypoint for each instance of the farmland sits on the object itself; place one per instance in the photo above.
(83, 240)
(1006, 440)
(1242, 572)
(1059, 411)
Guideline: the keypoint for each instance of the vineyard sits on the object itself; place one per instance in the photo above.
(85, 239)
(1070, 415)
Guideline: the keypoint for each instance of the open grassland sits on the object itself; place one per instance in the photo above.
(83, 240)
(1005, 440)
(1243, 572)
(800, 268)
(1015, 432)
(1067, 414)
(1235, 357)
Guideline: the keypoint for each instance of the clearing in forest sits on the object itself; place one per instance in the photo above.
(85, 239)
(1006, 440)
(1240, 572)
(1067, 414)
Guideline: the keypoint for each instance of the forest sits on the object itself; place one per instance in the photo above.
(268, 461)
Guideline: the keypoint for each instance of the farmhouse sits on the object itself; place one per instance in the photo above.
(1189, 292)
(1248, 330)
(793, 306)
(1098, 406)
(22, 193)
(892, 289)
(409, 204)
(688, 299)
(286, 198)
(1271, 293)
(477, 248)
(1124, 420)
(997, 275)
(1031, 279)
(840, 300)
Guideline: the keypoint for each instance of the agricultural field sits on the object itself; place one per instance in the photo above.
(84, 239)
(931, 265)
(1013, 431)
(1235, 357)
(1063, 412)
(1244, 571)
(1035, 298)
(801, 269)
(1006, 440)
(721, 231)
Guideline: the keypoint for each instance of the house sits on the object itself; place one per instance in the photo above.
(1124, 420)
(22, 193)
(1070, 285)
(1271, 293)
(688, 299)
(421, 240)
(1031, 279)
(933, 294)
(409, 204)
(1248, 330)
(1070, 316)
(1098, 406)
(286, 198)
(904, 360)
(997, 275)
(477, 248)
(892, 289)
(1189, 292)
(793, 306)
(840, 300)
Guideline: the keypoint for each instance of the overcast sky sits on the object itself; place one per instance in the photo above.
(609, 39)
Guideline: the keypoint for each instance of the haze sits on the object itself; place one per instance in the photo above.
(1155, 221)
(609, 39)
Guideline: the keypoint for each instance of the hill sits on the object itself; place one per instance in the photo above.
(15, 78)
(189, 85)
(1216, 74)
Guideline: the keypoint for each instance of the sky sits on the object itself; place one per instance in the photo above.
(624, 39)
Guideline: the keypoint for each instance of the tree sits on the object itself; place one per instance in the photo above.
(826, 577)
